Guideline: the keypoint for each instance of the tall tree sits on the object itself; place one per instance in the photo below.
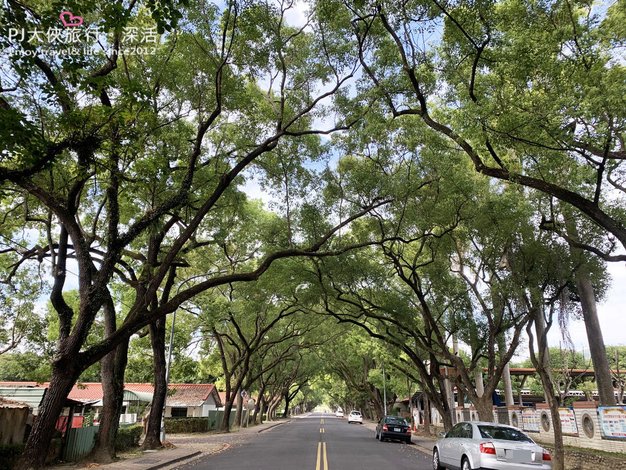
(587, 295)
(99, 156)
(112, 369)
(258, 328)
(21, 322)
(528, 92)
(532, 94)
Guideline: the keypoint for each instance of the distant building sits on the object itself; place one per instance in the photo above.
(183, 400)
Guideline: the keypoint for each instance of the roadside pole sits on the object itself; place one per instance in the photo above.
(167, 376)
(244, 396)
(384, 392)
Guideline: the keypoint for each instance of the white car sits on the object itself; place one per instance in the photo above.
(470, 445)
(339, 414)
(355, 417)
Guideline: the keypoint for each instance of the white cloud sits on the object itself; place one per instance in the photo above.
(297, 16)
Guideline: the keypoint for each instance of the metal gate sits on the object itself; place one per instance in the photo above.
(79, 443)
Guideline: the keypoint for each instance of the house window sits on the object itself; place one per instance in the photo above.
(179, 412)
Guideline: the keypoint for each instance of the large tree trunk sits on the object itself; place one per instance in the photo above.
(113, 367)
(238, 410)
(376, 400)
(258, 406)
(153, 431)
(484, 407)
(287, 399)
(558, 457)
(271, 409)
(541, 363)
(427, 419)
(597, 349)
(228, 408)
(599, 359)
(63, 379)
(441, 403)
(236, 390)
(264, 408)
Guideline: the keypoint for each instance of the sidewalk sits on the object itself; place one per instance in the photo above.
(178, 448)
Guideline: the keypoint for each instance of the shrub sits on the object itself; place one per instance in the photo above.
(9, 454)
(128, 437)
(181, 425)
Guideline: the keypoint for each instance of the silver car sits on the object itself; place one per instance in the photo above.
(473, 445)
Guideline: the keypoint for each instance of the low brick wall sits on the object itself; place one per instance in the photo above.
(581, 460)
(588, 427)
(582, 422)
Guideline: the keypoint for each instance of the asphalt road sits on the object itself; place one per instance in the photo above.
(315, 442)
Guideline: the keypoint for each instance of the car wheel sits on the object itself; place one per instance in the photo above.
(436, 462)
(465, 465)
(408, 440)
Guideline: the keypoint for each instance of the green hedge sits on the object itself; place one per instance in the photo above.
(128, 437)
(9, 454)
(182, 425)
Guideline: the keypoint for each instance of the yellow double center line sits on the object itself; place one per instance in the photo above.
(322, 457)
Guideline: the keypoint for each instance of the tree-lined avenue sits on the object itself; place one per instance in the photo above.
(316, 442)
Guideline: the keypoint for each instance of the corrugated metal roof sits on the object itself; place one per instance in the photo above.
(4, 403)
(30, 396)
(132, 396)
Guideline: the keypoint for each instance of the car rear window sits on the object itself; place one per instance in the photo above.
(502, 433)
(393, 420)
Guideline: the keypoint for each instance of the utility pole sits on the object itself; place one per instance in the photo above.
(384, 392)
(167, 375)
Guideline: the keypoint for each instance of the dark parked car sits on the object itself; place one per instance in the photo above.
(393, 428)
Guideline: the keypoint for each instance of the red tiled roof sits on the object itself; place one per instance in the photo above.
(223, 397)
(86, 392)
(23, 384)
(189, 394)
(179, 394)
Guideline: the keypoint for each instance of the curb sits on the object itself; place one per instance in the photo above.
(173, 461)
(273, 426)
(423, 449)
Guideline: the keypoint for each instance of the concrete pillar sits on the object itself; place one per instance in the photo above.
(508, 386)
(450, 395)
